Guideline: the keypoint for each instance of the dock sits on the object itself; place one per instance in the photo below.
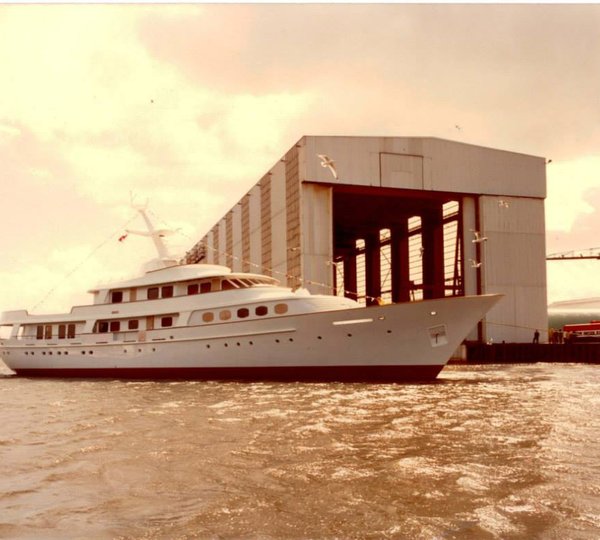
(524, 353)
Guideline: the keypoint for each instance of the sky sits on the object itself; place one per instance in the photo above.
(187, 106)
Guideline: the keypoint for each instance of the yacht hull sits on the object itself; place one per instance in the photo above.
(341, 373)
(392, 343)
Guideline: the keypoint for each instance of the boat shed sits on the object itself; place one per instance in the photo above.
(393, 219)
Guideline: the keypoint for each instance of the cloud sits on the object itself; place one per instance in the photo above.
(573, 204)
(189, 105)
(513, 76)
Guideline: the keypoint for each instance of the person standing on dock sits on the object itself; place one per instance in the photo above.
(536, 336)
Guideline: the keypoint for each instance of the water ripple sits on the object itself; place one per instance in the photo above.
(485, 452)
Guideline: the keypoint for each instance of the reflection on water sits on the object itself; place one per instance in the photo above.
(484, 452)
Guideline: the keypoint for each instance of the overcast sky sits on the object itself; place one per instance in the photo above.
(189, 105)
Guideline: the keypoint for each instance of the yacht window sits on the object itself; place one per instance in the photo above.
(208, 316)
(48, 331)
(39, 332)
(227, 285)
(117, 297)
(280, 309)
(115, 326)
(205, 287)
(166, 321)
(152, 293)
(242, 313)
(225, 315)
(193, 288)
(62, 331)
(167, 291)
(102, 327)
(261, 311)
(133, 324)
(70, 331)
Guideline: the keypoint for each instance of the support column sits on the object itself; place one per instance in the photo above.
(433, 254)
(400, 262)
(372, 267)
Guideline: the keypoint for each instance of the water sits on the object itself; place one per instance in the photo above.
(484, 452)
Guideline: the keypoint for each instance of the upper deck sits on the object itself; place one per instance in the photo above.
(176, 282)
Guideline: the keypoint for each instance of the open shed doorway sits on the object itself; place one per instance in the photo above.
(395, 245)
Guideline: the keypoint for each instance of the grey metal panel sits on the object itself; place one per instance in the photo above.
(236, 234)
(447, 165)
(209, 247)
(401, 171)
(255, 230)
(474, 169)
(221, 255)
(278, 223)
(356, 160)
(514, 262)
(317, 238)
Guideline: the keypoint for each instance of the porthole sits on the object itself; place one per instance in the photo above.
(389, 331)
(238, 343)
(91, 352)
(251, 343)
(82, 352)
(319, 337)
(208, 316)
(276, 341)
(291, 339)
(280, 309)
(226, 344)
(225, 315)
(242, 313)
(349, 335)
(261, 311)
(208, 346)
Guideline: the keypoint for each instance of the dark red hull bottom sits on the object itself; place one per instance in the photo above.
(291, 374)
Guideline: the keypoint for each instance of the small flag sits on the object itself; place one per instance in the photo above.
(121, 238)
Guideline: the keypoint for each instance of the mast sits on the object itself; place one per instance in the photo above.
(164, 260)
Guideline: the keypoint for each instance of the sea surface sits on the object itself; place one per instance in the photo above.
(483, 452)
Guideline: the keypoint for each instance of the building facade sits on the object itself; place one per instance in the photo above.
(397, 219)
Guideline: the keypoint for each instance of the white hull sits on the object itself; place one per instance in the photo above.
(410, 341)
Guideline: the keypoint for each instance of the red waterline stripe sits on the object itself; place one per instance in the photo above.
(308, 373)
